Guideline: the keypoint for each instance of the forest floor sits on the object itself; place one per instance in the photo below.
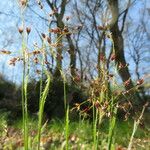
(80, 135)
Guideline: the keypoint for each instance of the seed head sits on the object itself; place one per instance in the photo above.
(79, 27)
(111, 75)
(121, 65)
(39, 3)
(140, 81)
(36, 52)
(65, 29)
(112, 57)
(55, 30)
(43, 35)
(97, 104)
(36, 61)
(86, 110)
(5, 52)
(77, 78)
(20, 29)
(38, 71)
(47, 63)
(23, 2)
(55, 10)
(51, 14)
(13, 61)
(59, 57)
(102, 57)
(108, 36)
(101, 28)
(49, 40)
(67, 18)
(28, 30)
(127, 82)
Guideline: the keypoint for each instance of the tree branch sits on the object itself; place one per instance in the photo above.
(125, 15)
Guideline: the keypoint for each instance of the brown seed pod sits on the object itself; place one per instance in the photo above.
(13, 61)
(36, 60)
(77, 78)
(51, 14)
(108, 36)
(121, 66)
(55, 10)
(59, 57)
(43, 35)
(56, 30)
(5, 52)
(67, 18)
(20, 29)
(49, 40)
(36, 52)
(97, 104)
(140, 81)
(102, 57)
(79, 27)
(39, 3)
(47, 63)
(65, 29)
(112, 57)
(41, 6)
(111, 75)
(38, 71)
(28, 30)
(101, 28)
(86, 110)
(23, 2)
(126, 83)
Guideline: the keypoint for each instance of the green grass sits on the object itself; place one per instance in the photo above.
(80, 134)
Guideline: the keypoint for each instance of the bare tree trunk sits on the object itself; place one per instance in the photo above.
(119, 44)
(58, 68)
(72, 51)
(119, 50)
(60, 24)
(120, 58)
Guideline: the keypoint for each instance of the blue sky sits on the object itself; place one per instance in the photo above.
(10, 20)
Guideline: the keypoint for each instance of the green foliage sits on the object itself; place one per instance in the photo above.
(54, 104)
(80, 134)
(7, 89)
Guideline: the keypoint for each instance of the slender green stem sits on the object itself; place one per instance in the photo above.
(66, 107)
(112, 125)
(65, 97)
(41, 109)
(95, 136)
(67, 127)
(24, 93)
(136, 124)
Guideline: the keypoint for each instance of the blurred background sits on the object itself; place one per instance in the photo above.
(81, 51)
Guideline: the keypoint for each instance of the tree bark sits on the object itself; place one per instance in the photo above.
(119, 44)
(72, 50)
(119, 52)
(72, 56)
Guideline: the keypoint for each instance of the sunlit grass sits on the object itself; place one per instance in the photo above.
(80, 133)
